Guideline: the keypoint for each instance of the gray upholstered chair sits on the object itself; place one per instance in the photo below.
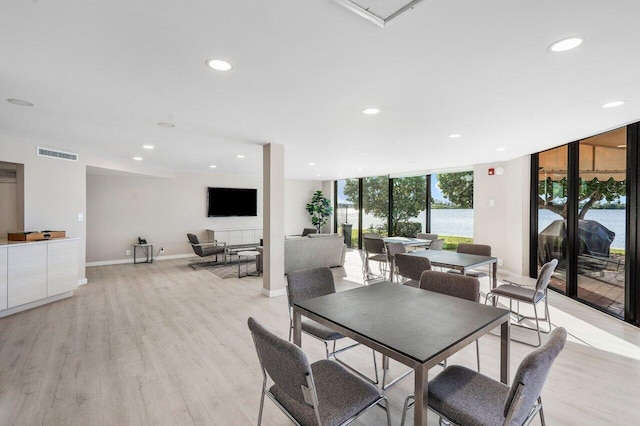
(305, 284)
(322, 393)
(411, 268)
(532, 295)
(206, 249)
(422, 236)
(479, 249)
(392, 250)
(307, 231)
(437, 244)
(461, 286)
(464, 397)
(374, 251)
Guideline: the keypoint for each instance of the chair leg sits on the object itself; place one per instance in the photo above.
(541, 412)
(405, 408)
(264, 386)
(535, 313)
(478, 353)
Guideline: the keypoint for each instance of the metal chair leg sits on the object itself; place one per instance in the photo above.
(541, 412)
(478, 353)
(405, 408)
(264, 387)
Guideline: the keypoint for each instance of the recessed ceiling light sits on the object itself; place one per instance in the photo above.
(137, 158)
(312, 164)
(501, 149)
(613, 104)
(565, 44)
(318, 175)
(19, 102)
(240, 156)
(165, 124)
(371, 111)
(622, 146)
(213, 166)
(359, 169)
(219, 65)
(148, 146)
(455, 135)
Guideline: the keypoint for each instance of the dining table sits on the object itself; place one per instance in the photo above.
(462, 262)
(415, 327)
(408, 241)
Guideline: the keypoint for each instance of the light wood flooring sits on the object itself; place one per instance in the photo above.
(163, 344)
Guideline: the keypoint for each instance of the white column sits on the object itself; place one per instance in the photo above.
(273, 220)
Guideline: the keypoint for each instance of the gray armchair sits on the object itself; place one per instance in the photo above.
(322, 393)
(206, 249)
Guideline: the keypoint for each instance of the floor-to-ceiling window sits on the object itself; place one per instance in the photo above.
(601, 220)
(552, 213)
(587, 202)
(409, 206)
(375, 205)
(451, 206)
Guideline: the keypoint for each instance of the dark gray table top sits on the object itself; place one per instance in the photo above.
(416, 323)
(449, 258)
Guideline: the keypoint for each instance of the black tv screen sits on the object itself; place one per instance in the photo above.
(233, 202)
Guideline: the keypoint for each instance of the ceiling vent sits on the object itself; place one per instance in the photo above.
(380, 12)
(54, 153)
(8, 176)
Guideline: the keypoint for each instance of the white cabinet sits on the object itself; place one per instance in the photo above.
(3, 278)
(27, 273)
(62, 267)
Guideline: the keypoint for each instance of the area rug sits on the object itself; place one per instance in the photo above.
(230, 270)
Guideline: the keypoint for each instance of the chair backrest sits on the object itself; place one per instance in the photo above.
(370, 235)
(544, 276)
(531, 375)
(307, 283)
(427, 236)
(437, 244)
(395, 248)
(411, 266)
(374, 245)
(479, 249)
(307, 231)
(283, 361)
(195, 244)
(455, 285)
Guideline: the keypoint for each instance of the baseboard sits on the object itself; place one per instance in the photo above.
(121, 261)
(82, 281)
(35, 304)
(274, 293)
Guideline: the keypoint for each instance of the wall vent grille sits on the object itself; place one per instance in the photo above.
(54, 153)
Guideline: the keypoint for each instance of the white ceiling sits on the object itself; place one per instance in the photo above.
(102, 74)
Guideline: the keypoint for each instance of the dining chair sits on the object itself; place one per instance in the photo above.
(461, 396)
(370, 235)
(374, 251)
(322, 393)
(411, 268)
(479, 249)
(437, 244)
(531, 295)
(307, 283)
(392, 250)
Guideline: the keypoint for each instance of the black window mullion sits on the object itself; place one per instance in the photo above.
(573, 244)
(427, 226)
(360, 187)
(533, 217)
(390, 223)
(632, 244)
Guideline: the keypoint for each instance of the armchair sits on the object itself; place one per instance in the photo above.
(206, 249)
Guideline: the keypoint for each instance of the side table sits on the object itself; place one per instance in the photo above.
(146, 249)
(247, 254)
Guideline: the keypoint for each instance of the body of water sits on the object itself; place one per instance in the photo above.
(459, 222)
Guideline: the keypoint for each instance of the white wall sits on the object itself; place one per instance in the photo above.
(164, 210)
(8, 208)
(54, 190)
(505, 224)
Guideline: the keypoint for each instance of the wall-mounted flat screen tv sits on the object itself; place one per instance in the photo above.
(232, 202)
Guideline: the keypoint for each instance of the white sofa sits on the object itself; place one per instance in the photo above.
(313, 251)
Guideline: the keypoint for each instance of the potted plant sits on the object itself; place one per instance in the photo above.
(320, 209)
